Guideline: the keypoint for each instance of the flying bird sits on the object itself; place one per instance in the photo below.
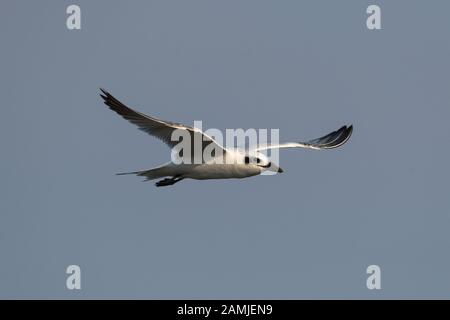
(239, 163)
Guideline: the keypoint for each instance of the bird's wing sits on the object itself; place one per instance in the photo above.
(158, 128)
(332, 140)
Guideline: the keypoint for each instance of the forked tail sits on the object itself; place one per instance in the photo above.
(150, 174)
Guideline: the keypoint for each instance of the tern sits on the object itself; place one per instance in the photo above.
(243, 164)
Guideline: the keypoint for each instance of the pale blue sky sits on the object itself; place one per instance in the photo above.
(305, 67)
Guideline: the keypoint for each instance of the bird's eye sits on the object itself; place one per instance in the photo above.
(246, 160)
(258, 160)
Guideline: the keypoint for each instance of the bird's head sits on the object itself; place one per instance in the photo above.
(261, 161)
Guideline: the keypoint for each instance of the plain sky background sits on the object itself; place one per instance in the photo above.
(305, 67)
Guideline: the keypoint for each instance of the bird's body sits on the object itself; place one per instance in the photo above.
(201, 171)
(220, 171)
(225, 164)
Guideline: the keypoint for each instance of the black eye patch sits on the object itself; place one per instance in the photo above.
(247, 160)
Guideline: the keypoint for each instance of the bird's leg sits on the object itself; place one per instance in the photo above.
(168, 181)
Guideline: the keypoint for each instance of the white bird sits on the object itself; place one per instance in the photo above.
(243, 163)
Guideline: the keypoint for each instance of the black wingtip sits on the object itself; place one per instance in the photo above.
(347, 135)
(350, 130)
(334, 139)
(104, 94)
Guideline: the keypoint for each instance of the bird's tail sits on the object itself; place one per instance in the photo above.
(150, 174)
(125, 173)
